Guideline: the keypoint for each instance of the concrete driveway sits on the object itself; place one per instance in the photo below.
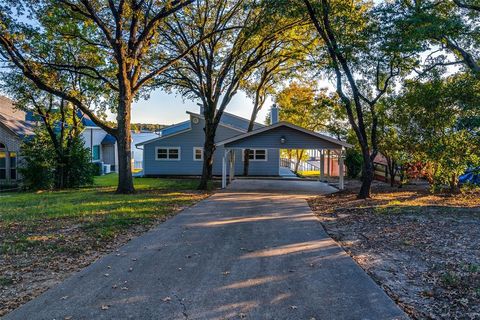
(235, 255)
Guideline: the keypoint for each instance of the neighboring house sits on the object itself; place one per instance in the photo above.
(13, 129)
(179, 149)
(16, 125)
(103, 146)
(137, 154)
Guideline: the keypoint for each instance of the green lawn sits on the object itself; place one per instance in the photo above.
(96, 210)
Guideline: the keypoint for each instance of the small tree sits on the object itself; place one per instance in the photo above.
(41, 171)
(303, 105)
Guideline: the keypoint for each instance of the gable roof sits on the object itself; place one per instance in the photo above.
(339, 143)
(182, 126)
(20, 128)
(228, 120)
(233, 121)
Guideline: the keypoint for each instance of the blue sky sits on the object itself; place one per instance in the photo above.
(168, 108)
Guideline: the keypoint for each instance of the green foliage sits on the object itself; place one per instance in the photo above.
(43, 169)
(436, 122)
(353, 162)
(38, 166)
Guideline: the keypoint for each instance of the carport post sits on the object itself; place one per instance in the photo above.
(224, 169)
(231, 158)
(322, 165)
(341, 182)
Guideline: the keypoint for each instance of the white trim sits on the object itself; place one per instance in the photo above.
(168, 153)
(289, 125)
(255, 154)
(194, 153)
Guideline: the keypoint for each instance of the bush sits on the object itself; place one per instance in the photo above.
(354, 163)
(44, 168)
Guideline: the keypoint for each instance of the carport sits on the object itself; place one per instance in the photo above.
(282, 135)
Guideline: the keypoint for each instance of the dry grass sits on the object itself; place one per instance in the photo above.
(423, 249)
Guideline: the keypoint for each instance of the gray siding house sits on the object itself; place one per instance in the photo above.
(179, 149)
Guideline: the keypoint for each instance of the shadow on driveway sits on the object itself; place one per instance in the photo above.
(235, 255)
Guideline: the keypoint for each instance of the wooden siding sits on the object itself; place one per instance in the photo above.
(195, 138)
(294, 139)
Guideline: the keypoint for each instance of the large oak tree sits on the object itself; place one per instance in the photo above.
(213, 72)
(118, 46)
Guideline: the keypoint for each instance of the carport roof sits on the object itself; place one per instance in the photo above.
(338, 143)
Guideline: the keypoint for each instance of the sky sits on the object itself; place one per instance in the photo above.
(168, 108)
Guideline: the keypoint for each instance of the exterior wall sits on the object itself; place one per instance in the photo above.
(293, 140)
(93, 136)
(138, 152)
(12, 143)
(195, 138)
(108, 155)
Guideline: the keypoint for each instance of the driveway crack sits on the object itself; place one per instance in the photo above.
(184, 306)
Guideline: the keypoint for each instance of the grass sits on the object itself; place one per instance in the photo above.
(44, 236)
(309, 174)
(98, 209)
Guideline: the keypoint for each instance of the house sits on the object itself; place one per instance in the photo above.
(13, 130)
(137, 154)
(179, 149)
(17, 125)
(103, 145)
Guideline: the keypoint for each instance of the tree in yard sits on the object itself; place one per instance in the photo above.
(439, 123)
(213, 72)
(287, 61)
(446, 30)
(303, 106)
(117, 46)
(390, 143)
(363, 58)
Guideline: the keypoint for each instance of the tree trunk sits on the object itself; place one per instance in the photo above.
(392, 172)
(299, 158)
(454, 184)
(124, 138)
(367, 176)
(208, 152)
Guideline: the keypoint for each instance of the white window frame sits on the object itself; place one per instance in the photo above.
(195, 153)
(168, 153)
(255, 154)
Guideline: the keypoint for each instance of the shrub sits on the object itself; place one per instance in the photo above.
(354, 163)
(43, 167)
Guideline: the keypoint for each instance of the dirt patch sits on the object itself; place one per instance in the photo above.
(423, 249)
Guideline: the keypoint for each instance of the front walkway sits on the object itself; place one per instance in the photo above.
(235, 255)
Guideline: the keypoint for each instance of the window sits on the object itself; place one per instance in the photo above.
(3, 165)
(257, 154)
(96, 153)
(197, 154)
(168, 153)
(13, 166)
